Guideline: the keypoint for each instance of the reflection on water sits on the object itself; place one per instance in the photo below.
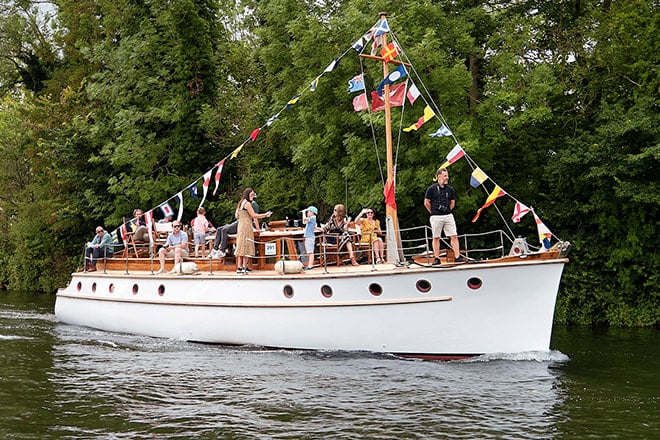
(60, 381)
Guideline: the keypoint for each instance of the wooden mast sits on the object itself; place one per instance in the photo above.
(394, 248)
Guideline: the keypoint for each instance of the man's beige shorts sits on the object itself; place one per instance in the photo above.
(443, 222)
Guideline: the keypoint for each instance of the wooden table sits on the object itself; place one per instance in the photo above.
(274, 245)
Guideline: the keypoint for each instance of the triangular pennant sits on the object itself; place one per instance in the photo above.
(497, 192)
(441, 132)
(428, 114)
(455, 154)
(218, 173)
(413, 93)
(519, 211)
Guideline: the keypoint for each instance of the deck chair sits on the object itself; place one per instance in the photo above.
(362, 248)
(138, 248)
(331, 252)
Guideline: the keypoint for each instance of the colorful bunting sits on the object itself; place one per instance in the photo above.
(393, 76)
(428, 114)
(389, 52)
(207, 179)
(218, 173)
(397, 95)
(180, 197)
(356, 83)
(331, 66)
(544, 233)
(360, 102)
(149, 219)
(166, 209)
(519, 211)
(359, 45)
(233, 154)
(193, 190)
(441, 132)
(254, 134)
(497, 192)
(122, 231)
(292, 102)
(379, 29)
(455, 154)
(477, 178)
(272, 119)
(413, 93)
(314, 84)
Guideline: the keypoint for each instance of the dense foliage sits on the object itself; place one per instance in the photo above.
(111, 105)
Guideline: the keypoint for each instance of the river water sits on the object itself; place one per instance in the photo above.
(65, 382)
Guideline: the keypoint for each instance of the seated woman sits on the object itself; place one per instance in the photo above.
(139, 227)
(338, 224)
(370, 230)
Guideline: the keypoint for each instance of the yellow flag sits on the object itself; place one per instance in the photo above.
(428, 114)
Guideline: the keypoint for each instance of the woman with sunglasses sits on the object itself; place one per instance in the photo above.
(370, 231)
(337, 230)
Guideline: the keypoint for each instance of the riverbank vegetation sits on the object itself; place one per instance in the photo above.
(106, 106)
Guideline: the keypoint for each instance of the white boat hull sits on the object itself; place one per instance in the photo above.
(511, 311)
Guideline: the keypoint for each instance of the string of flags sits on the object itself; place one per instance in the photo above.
(398, 93)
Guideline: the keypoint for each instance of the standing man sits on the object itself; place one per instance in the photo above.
(439, 201)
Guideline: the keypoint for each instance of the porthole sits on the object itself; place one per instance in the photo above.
(423, 286)
(135, 289)
(93, 287)
(161, 290)
(375, 289)
(111, 288)
(474, 283)
(326, 291)
(79, 286)
(288, 291)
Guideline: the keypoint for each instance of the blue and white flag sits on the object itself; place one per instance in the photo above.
(193, 190)
(381, 27)
(393, 76)
(356, 84)
(441, 132)
(331, 66)
(358, 45)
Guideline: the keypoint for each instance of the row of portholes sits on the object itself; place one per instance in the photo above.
(111, 288)
(423, 286)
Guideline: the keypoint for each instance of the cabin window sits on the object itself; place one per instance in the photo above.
(288, 291)
(161, 290)
(423, 286)
(135, 289)
(79, 286)
(111, 288)
(93, 287)
(375, 289)
(474, 283)
(326, 291)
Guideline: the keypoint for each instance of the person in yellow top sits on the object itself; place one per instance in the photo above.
(370, 233)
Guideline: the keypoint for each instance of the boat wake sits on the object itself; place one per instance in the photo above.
(537, 356)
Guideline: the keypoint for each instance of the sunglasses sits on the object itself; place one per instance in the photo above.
(370, 212)
(176, 226)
